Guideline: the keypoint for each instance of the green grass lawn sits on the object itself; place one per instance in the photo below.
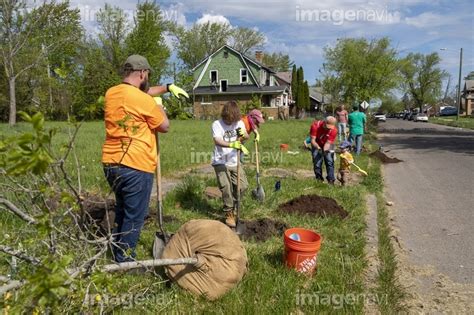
(268, 287)
(463, 122)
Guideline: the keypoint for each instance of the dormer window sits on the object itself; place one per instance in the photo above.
(214, 76)
(226, 54)
(243, 76)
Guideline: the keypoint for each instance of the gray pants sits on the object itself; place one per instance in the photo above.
(227, 181)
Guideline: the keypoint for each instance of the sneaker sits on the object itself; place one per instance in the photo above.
(230, 219)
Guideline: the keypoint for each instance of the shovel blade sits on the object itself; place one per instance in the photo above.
(258, 193)
(159, 245)
(240, 229)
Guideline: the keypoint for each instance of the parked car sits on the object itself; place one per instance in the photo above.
(448, 111)
(380, 117)
(400, 115)
(411, 115)
(420, 117)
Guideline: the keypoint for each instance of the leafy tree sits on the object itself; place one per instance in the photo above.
(470, 76)
(200, 41)
(422, 77)
(244, 39)
(113, 27)
(294, 84)
(391, 105)
(147, 38)
(96, 76)
(361, 69)
(277, 61)
(27, 38)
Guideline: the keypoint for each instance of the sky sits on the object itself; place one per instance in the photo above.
(303, 28)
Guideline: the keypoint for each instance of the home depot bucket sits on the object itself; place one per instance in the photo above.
(302, 255)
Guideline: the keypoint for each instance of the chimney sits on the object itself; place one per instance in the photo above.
(259, 56)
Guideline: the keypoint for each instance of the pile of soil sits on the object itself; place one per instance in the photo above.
(314, 205)
(101, 211)
(262, 229)
(384, 158)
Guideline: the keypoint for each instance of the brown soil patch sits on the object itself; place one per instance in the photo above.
(314, 205)
(262, 229)
(384, 158)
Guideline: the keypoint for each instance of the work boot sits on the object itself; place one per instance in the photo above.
(230, 219)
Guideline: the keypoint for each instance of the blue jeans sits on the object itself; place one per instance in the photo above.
(358, 142)
(341, 131)
(318, 157)
(132, 189)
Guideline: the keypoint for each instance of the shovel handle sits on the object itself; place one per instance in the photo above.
(238, 188)
(257, 157)
(158, 168)
(159, 187)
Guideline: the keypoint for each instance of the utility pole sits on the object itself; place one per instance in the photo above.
(459, 83)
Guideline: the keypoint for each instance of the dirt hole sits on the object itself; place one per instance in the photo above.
(314, 205)
(384, 158)
(262, 229)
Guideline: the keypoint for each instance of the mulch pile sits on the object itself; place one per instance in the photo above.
(384, 158)
(314, 205)
(262, 229)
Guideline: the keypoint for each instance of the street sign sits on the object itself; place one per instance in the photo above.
(364, 105)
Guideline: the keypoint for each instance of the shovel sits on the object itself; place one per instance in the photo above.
(239, 227)
(161, 238)
(258, 193)
(360, 170)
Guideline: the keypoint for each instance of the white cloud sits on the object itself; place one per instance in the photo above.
(213, 19)
(430, 20)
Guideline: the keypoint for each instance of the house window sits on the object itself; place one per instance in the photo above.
(214, 76)
(243, 76)
(223, 86)
(206, 100)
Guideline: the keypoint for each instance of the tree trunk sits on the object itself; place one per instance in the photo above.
(12, 86)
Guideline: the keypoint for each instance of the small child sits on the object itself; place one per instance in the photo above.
(345, 165)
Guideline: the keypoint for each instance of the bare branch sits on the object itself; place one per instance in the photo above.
(10, 206)
(148, 263)
(11, 286)
(19, 254)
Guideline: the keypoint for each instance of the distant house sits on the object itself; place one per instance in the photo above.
(229, 75)
(468, 97)
(318, 99)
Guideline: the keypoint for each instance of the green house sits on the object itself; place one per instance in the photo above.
(228, 75)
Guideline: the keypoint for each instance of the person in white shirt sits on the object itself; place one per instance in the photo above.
(228, 132)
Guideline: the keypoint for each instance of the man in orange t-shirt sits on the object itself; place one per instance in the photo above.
(129, 153)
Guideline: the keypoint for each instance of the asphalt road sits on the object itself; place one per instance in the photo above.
(433, 192)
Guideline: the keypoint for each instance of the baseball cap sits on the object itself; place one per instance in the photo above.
(257, 116)
(138, 62)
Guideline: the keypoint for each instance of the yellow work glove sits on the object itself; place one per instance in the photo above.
(240, 132)
(158, 100)
(257, 136)
(239, 146)
(176, 91)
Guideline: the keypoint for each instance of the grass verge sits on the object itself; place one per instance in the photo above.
(463, 122)
(389, 293)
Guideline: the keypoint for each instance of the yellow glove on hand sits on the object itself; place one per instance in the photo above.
(257, 136)
(158, 100)
(240, 132)
(177, 91)
(239, 146)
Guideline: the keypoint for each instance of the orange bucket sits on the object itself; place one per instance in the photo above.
(302, 255)
(284, 147)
